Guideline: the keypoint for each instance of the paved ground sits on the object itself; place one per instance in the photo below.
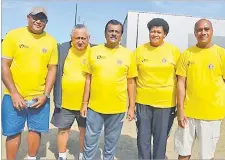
(126, 149)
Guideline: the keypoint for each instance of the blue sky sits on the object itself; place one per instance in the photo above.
(96, 14)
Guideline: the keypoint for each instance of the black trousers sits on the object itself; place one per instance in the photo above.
(153, 122)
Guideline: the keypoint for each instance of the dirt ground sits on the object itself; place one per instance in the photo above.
(126, 149)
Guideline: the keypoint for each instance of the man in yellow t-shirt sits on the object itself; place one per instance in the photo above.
(201, 94)
(29, 64)
(156, 90)
(70, 86)
(110, 72)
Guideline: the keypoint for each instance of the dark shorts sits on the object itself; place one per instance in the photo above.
(64, 118)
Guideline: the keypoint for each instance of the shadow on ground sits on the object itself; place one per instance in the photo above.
(126, 148)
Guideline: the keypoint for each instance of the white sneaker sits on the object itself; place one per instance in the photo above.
(80, 156)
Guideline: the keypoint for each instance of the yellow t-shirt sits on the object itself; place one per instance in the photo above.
(205, 88)
(156, 81)
(30, 54)
(110, 69)
(73, 79)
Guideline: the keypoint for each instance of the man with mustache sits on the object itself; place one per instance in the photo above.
(201, 94)
(110, 72)
(69, 88)
(29, 64)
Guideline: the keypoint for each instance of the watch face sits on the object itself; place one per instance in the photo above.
(47, 95)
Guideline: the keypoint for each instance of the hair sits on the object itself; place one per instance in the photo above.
(158, 22)
(78, 26)
(114, 22)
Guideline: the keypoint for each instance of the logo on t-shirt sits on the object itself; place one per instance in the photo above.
(119, 62)
(44, 50)
(190, 62)
(144, 60)
(84, 61)
(164, 60)
(23, 46)
(211, 66)
(101, 57)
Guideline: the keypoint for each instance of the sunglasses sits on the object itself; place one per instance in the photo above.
(37, 17)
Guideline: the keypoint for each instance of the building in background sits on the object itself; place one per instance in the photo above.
(181, 31)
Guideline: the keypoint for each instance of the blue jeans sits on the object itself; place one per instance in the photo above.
(112, 127)
(13, 120)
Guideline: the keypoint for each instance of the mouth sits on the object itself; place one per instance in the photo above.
(113, 38)
(204, 37)
(79, 45)
(155, 38)
(37, 26)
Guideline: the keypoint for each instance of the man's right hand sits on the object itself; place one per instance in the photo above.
(18, 101)
(83, 111)
(182, 119)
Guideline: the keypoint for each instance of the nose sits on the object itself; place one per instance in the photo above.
(80, 40)
(38, 21)
(203, 32)
(154, 34)
(114, 33)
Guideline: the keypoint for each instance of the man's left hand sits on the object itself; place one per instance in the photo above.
(40, 101)
(131, 113)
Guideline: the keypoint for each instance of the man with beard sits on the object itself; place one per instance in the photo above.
(110, 72)
(200, 111)
(29, 64)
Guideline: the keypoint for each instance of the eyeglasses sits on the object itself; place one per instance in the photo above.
(38, 17)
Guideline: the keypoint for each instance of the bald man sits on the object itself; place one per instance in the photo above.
(201, 94)
(69, 88)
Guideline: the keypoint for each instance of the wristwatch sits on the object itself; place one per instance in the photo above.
(47, 95)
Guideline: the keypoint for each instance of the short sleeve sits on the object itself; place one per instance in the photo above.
(222, 55)
(176, 53)
(9, 46)
(54, 54)
(87, 64)
(136, 56)
(182, 65)
(132, 71)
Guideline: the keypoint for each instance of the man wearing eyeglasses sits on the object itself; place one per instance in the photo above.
(29, 64)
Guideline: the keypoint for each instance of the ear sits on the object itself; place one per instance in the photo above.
(195, 33)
